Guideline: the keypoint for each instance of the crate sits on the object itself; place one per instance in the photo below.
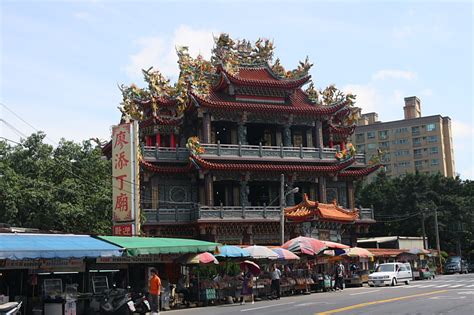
(208, 294)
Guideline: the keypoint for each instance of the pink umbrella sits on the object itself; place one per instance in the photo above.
(253, 267)
(198, 259)
(285, 254)
(305, 245)
(358, 252)
(334, 245)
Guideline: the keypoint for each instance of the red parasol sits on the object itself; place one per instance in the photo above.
(253, 267)
(305, 245)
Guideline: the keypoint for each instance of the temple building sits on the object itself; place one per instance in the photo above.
(215, 144)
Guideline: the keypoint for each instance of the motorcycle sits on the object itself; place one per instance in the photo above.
(117, 301)
(140, 303)
(10, 308)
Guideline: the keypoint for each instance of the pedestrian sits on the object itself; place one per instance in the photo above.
(154, 289)
(276, 274)
(247, 285)
(339, 276)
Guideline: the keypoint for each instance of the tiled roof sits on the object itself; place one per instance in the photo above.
(261, 76)
(343, 130)
(167, 169)
(158, 120)
(308, 209)
(264, 167)
(299, 105)
(360, 172)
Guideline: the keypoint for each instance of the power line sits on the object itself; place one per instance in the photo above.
(6, 139)
(400, 219)
(18, 132)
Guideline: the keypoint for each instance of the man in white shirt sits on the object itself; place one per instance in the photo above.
(276, 274)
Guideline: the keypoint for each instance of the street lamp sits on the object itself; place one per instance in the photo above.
(283, 195)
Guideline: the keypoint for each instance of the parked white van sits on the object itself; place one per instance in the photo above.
(391, 274)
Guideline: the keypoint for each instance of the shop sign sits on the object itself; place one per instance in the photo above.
(45, 265)
(159, 258)
(125, 190)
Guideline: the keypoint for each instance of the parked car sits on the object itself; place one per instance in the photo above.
(470, 267)
(455, 264)
(391, 274)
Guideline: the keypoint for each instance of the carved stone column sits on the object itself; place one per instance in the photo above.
(206, 128)
(244, 193)
(209, 189)
(319, 134)
(322, 189)
(287, 136)
(242, 133)
(350, 195)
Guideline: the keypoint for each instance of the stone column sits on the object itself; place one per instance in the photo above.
(209, 189)
(322, 189)
(242, 133)
(350, 194)
(287, 136)
(319, 134)
(290, 199)
(206, 128)
(244, 193)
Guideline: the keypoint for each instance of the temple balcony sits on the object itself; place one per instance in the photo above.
(187, 213)
(366, 214)
(247, 152)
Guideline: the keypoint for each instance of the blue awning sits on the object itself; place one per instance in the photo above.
(32, 246)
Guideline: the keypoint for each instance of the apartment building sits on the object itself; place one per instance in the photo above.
(415, 143)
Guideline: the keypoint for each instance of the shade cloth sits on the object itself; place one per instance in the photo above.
(253, 267)
(333, 245)
(33, 246)
(229, 251)
(135, 246)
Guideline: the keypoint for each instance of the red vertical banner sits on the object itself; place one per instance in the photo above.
(172, 141)
(148, 141)
(158, 140)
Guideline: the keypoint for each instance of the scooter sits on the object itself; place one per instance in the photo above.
(117, 301)
(10, 308)
(140, 303)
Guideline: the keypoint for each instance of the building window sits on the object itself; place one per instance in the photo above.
(434, 162)
(360, 148)
(430, 127)
(401, 130)
(418, 163)
(432, 139)
(371, 135)
(402, 153)
(384, 145)
(434, 150)
(416, 141)
(371, 146)
(417, 153)
(360, 137)
(404, 164)
(383, 134)
(415, 130)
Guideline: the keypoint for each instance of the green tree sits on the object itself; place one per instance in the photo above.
(67, 188)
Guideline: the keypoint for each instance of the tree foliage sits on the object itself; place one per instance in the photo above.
(67, 188)
(400, 202)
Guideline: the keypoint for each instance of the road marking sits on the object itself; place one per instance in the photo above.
(364, 292)
(347, 308)
(466, 292)
(427, 286)
(442, 286)
(447, 297)
(456, 286)
(262, 307)
(470, 286)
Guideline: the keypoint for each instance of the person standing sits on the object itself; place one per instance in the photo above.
(247, 285)
(154, 289)
(339, 276)
(276, 275)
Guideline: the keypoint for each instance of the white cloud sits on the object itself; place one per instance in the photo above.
(160, 52)
(394, 74)
(366, 96)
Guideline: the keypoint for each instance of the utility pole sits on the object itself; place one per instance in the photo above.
(438, 247)
(425, 246)
(282, 209)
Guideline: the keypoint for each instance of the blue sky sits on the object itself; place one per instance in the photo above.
(61, 61)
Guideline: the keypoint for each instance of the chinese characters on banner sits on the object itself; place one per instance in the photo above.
(125, 191)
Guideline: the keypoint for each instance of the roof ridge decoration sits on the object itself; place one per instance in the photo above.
(198, 75)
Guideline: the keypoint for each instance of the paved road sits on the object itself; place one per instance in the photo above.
(452, 294)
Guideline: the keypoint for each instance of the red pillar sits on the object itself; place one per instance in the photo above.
(172, 141)
(342, 146)
(158, 140)
(147, 141)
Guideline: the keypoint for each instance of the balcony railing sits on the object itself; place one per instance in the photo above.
(250, 152)
(237, 212)
(366, 214)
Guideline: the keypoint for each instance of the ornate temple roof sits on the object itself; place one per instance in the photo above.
(265, 167)
(166, 169)
(307, 210)
(258, 76)
(299, 105)
(342, 130)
